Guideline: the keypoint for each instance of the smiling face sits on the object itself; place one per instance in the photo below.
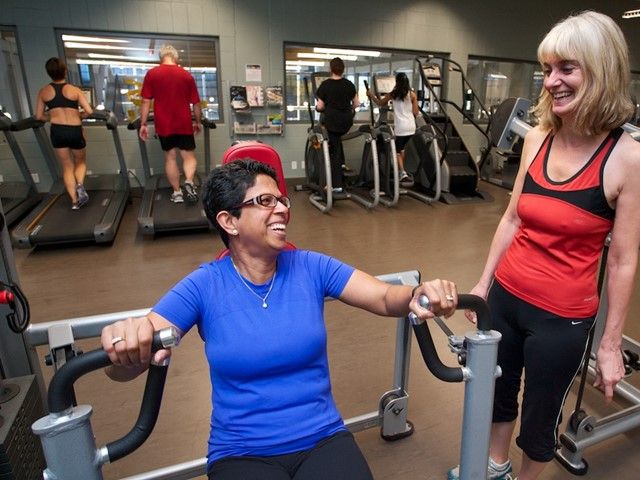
(262, 227)
(563, 79)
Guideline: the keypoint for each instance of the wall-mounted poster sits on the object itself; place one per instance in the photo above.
(253, 73)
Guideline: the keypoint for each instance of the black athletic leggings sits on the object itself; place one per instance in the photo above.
(335, 458)
(550, 348)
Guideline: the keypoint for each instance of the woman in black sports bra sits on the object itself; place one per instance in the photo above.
(61, 101)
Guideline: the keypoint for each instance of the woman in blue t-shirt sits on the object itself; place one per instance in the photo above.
(260, 311)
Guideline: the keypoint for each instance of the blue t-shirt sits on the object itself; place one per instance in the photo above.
(271, 390)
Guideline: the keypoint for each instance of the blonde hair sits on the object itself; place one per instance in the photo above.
(168, 50)
(598, 45)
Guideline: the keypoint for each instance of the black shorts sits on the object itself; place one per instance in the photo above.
(67, 136)
(401, 142)
(335, 458)
(182, 142)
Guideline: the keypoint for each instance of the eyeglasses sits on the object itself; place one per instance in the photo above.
(266, 200)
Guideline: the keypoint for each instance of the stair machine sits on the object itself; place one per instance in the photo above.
(582, 430)
(53, 222)
(69, 444)
(459, 175)
(18, 197)
(157, 213)
(318, 162)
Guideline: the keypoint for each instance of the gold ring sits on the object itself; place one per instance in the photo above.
(116, 340)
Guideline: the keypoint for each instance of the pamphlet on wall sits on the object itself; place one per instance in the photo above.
(255, 95)
(275, 119)
(238, 95)
(274, 96)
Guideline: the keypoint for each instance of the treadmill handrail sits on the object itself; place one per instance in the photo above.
(136, 123)
(26, 123)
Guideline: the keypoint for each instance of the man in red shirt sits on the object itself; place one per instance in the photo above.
(173, 90)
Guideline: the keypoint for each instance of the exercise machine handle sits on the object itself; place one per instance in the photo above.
(425, 341)
(149, 411)
(26, 123)
(366, 85)
(60, 395)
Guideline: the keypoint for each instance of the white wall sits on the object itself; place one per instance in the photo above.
(253, 32)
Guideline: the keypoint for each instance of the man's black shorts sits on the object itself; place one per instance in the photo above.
(183, 142)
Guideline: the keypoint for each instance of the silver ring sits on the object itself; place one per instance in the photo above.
(116, 340)
(449, 298)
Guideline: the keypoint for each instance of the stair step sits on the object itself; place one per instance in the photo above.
(461, 171)
(458, 158)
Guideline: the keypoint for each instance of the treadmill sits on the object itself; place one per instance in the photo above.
(53, 222)
(158, 214)
(18, 197)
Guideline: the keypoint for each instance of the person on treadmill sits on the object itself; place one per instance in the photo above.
(337, 99)
(58, 103)
(173, 91)
(260, 312)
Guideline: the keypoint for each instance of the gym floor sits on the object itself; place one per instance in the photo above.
(446, 241)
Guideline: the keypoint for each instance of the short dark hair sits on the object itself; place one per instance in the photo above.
(337, 66)
(226, 187)
(56, 68)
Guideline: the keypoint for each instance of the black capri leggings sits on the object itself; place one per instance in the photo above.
(334, 458)
(550, 348)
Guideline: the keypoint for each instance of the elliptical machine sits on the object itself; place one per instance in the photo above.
(318, 161)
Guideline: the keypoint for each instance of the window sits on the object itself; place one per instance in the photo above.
(495, 80)
(14, 99)
(112, 67)
(635, 97)
(360, 66)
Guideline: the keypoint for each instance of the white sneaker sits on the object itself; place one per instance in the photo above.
(495, 471)
(176, 197)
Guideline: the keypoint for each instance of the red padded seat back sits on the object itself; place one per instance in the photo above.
(260, 152)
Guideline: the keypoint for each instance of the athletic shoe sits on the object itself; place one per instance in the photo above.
(190, 192)
(176, 197)
(406, 179)
(75, 206)
(83, 196)
(494, 472)
(338, 193)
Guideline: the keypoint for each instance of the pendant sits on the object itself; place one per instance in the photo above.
(264, 304)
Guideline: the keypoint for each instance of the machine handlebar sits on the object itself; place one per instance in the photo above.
(425, 341)
(25, 124)
(135, 124)
(60, 395)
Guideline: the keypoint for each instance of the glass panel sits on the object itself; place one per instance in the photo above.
(493, 81)
(13, 91)
(112, 67)
(635, 97)
(301, 61)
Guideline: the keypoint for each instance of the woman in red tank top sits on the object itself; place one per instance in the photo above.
(578, 180)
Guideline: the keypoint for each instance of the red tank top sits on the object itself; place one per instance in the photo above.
(552, 261)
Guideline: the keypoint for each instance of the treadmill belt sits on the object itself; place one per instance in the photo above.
(61, 224)
(176, 216)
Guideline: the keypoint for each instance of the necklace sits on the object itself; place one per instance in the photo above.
(264, 299)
